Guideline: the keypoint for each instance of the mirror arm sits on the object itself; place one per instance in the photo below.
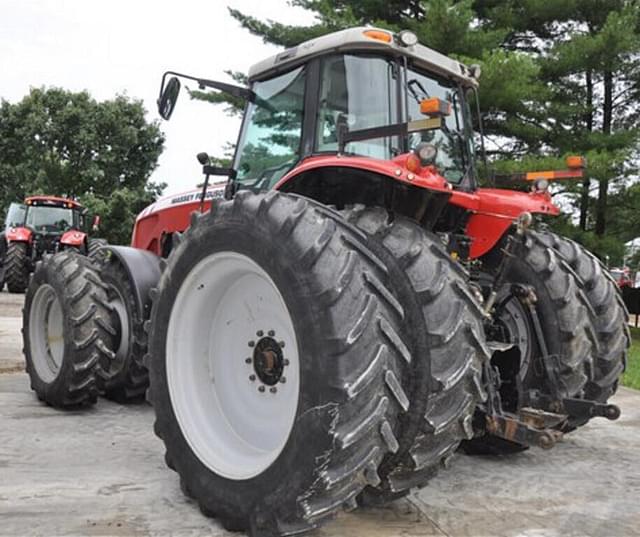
(236, 91)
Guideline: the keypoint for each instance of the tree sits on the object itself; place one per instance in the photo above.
(65, 143)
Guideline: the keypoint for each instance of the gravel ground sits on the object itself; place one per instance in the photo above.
(101, 472)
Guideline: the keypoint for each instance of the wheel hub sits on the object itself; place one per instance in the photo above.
(268, 361)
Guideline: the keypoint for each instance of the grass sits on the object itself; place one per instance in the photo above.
(631, 377)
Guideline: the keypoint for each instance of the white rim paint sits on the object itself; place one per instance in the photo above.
(233, 428)
(46, 333)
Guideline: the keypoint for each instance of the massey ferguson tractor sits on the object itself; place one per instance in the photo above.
(350, 309)
(41, 225)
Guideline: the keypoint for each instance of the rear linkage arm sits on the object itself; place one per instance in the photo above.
(531, 426)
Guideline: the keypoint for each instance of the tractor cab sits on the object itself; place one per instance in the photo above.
(359, 92)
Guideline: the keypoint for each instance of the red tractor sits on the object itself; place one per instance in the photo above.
(41, 225)
(353, 310)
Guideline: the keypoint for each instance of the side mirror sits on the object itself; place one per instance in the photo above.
(95, 224)
(168, 98)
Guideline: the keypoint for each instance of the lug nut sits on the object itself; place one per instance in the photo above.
(252, 343)
(259, 333)
(283, 379)
(271, 333)
(285, 362)
(261, 389)
(248, 360)
(252, 378)
(273, 389)
(281, 343)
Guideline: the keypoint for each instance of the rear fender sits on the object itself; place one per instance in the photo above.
(18, 234)
(73, 238)
(143, 269)
(494, 210)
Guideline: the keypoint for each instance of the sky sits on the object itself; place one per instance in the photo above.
(123, 47)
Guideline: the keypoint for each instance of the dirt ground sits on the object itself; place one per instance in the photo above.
(101, 472)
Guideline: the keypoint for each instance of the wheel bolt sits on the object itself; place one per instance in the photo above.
(271, 333)
(248, 360)
(259, 333)
(285, 362)
(283, 379)
(273, 389)
(252, 378)
(281, 343)
(252, 343)
(261, 389)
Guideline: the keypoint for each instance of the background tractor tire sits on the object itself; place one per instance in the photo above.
(127, 379)
(17, 267)
(302, 295)
(66, 330)
(3, 257)
(566, 318)
(93, 249)
(611, 315)
(444, 329)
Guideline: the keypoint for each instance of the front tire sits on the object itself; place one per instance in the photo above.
(17, 267)
(267, 327)
(63, 330)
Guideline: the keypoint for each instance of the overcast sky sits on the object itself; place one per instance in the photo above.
(115, 46)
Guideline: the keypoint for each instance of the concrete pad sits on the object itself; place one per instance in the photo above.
(100, 472)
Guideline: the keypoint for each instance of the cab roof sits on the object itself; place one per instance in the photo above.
(52, 200)
(355, 40)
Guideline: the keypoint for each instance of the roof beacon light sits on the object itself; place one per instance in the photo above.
(378, 35)
(407, 38)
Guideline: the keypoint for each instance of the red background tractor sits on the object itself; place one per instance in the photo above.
(41, 225)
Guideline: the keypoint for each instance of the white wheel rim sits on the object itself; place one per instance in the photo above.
(227, 309)
(46, 333)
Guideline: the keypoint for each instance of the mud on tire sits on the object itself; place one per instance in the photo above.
(65, 330)
(342, 353)
(443, 328)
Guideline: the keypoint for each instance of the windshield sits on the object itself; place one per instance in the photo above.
(50, 219)
(15, 215)
(270, 141)
(453, 140)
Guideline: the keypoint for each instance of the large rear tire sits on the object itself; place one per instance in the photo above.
(17, 267)
(64, 330)
(127, 379)
(567, 325)
(272, 325)
(610, 314)
(94, 251)
(445, 332)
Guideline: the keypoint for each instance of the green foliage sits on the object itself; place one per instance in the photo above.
(631, 377)
(65, 143)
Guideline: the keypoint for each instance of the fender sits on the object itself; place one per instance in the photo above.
(73, 238)
(143, 269)
(395, 169)
(494, 211)
(18, 234)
